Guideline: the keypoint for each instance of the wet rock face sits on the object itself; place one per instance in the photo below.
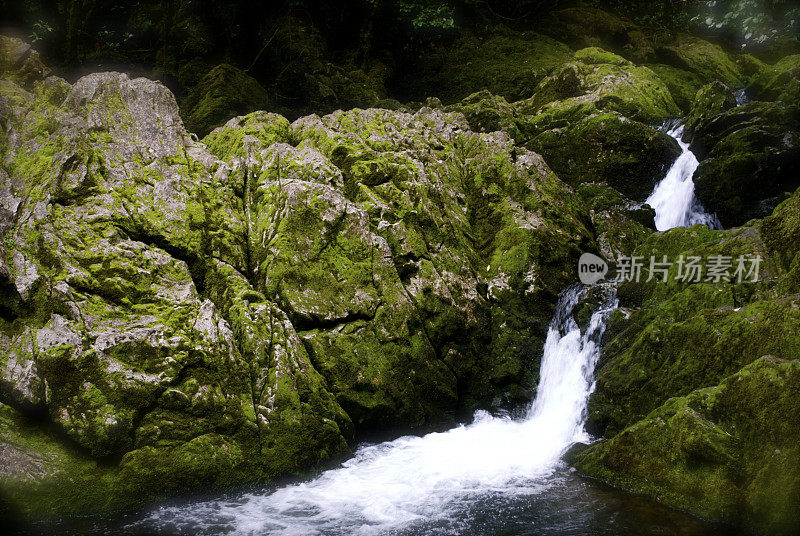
(694, 415)
(750, 160)
(727, 451)
(206, 314)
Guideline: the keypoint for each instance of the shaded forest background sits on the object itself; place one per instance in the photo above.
(301, 56)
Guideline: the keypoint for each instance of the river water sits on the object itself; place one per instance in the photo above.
(496, 475)
(673, 197)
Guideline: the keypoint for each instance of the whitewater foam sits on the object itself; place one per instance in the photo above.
(395, 484)
(673, 197)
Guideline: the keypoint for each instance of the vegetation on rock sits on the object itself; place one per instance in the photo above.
(695, 416)
(727, 451)
(180, 314)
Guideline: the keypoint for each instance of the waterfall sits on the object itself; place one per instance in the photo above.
(393, 485)
(673, 198)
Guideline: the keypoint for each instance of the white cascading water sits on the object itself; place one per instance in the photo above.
(393, 485)
(673, 198)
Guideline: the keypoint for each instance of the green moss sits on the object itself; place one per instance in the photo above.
(781, 232)
(487, 113)
(208, 461)
(505, 62)
(727, 452)
(707, 60)
(600, 197)
(683, 85)
(224, 92)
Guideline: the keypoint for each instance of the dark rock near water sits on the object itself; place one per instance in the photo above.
(750, 160)
(728, 441)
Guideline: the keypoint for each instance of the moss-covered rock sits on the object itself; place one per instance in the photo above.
(195, 316)
(489, 113)
(780, 232)
(693, 417)
(780, 81)
(707, 60)
(19, 63)
(121, 231)
(620, 224)
(588, 119)
(681, 335)
(602, 147)
(591, 27)
(750, 160)
(505, 62)
(683, 85)
(727, 452)
(607, 81)
(401, 243)
(710, 100)
(224, 91)
(41, 476)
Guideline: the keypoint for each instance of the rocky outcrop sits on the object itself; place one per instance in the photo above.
(117, 234)
(750, 160)
(710, 100)
(410, 268)
(183, 315)
(721, 446)
(222, 92)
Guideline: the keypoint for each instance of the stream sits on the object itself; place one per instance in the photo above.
(495, 475)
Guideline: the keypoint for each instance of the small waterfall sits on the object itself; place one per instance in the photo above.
(673, 198)
(741, 97)
(393, 485)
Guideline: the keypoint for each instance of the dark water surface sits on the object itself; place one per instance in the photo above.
(565, 505)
